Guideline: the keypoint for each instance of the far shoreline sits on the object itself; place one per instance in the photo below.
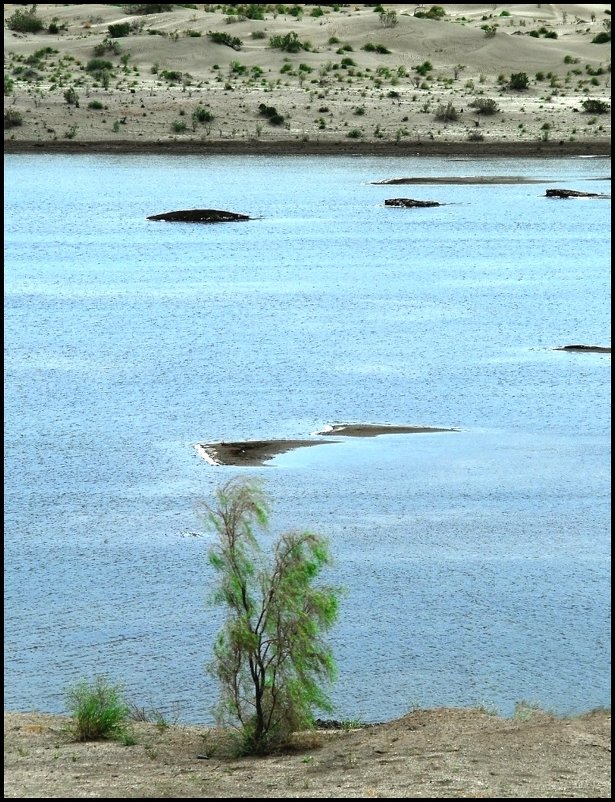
(256, 147)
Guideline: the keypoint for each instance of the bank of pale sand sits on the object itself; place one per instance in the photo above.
(334, 97)
(442, 753)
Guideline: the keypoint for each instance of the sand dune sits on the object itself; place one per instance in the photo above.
(332, 94)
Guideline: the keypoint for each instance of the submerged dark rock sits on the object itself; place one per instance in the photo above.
(200, 216)
(570, 193)
(410, 203)
(595, 349)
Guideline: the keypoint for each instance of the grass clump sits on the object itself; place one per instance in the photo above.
(98, 710)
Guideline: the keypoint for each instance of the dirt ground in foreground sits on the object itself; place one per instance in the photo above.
(442, 753)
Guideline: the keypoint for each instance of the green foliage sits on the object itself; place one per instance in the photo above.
(179, 126)
(424, 68)
(371, 48)
(435, 12)
(388, 19)
(95, 65)
(592, 106)
(220, 38)
(107, 46)
(174, 76)
(354, 133)
(601, 38)
(24, 21)
(202, 115)
(272, 114)
(119, 29)
(518, 81)
(148, 8)
(490, 30)
(270, 657)
(9, 84)
(95, 104)
(447, 113)
(485, 105)
(71, 97)
(543, 32)
(12, 118)
(288, 43)
(98, 709)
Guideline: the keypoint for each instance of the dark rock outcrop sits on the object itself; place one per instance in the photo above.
(409, 203)
(570, 193)
(199, 216)
(595, 349)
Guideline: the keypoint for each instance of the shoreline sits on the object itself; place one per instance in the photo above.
(255, 147)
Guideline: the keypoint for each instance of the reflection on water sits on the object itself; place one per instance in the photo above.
(476, 563)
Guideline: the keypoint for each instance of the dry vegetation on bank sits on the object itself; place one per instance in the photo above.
(351, 75)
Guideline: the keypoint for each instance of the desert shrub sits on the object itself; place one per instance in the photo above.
(447, 113)
(24, 21)
(490, 30)
(592, 106)
(95, 65)
(148, 8)
(9, 84)
(71, 97)
(288, 43)
(518, 81)
(258, 35)
(98, 709)
(12, 118)
(271, 113)
(95, 104)
(371, 48)
(354, 133)
(347, 62)
(485, 105)
(475, 136)
(174, 76)
(435, 12)
(118, 29)
(219, 38)
(388, 19)
(424, 68)
(601, 38)
(202, 115)
(179, 126)
(107, 46)
(270, 657)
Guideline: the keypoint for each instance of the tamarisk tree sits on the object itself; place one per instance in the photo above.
(271, 660)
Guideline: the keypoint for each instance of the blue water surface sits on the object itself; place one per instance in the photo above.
(476, 563)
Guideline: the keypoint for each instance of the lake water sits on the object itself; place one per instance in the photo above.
(476, 563)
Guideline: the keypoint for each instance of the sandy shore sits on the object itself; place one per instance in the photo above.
(356, 85)
(442, 753)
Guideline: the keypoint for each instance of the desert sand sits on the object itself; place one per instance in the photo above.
(432, 754)
(169, 87)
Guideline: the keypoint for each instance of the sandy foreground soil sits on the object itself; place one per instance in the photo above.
(442, 753)
(356, 85)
